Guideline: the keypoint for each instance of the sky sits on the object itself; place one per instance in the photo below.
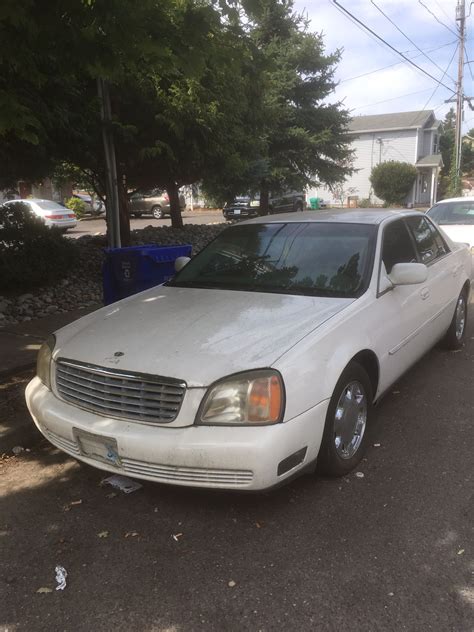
(401, 87)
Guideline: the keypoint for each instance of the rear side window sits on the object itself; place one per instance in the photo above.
(397, 245)
(428, 241)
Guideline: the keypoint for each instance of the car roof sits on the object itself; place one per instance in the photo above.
(465, 198)
(32, 200)
(343, 215)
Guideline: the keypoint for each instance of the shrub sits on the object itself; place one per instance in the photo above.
(77, 205)
(392, 181)
(31, 254)
(365, 203)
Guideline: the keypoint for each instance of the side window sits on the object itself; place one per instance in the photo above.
(440, 243)
(397, 245)
(429, 244)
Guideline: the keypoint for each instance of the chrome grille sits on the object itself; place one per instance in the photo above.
(114, 393)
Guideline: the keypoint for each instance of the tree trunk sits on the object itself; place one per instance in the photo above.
(175, 209)
(264, 198)
(124, 211)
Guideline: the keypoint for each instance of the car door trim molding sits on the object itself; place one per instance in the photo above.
(417, 331)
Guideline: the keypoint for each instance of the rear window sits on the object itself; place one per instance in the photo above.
(453, 212)
(47, 205)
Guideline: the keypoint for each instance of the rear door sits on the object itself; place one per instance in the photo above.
(440, 289)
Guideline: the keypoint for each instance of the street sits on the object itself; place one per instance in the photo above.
(97, 226)
(388, 551)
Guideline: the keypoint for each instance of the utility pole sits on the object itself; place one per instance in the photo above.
(112, 199)
(460, 19)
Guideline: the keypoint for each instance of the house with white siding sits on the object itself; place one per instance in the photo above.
(411, 137)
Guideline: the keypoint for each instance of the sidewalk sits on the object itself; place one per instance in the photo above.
(19, 344)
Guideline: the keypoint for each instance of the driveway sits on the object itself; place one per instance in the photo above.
(389, 551)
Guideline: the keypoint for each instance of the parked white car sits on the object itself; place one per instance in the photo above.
(456, 217)
(51, 213)
(262, 357)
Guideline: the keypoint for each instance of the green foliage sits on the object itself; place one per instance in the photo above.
(365, 203)
(392, 181)
(31, 254)
(78, 206)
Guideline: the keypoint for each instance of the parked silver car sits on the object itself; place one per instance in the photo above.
(51, 213)
(154, 202)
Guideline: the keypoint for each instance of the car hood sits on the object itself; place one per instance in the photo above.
(196, 335)
(460, 233)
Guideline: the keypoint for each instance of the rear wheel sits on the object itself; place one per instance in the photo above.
(157, 212)
(454, 337)
(349, 414)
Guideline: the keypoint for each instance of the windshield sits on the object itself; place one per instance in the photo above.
(313, 259)
(453, 212)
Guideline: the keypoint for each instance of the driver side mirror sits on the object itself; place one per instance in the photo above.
(180, 263)
(408, 274)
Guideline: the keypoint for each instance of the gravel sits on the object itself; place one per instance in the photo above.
(82, 286)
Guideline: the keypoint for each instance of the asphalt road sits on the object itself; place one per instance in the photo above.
(389, 551)
(97, 226)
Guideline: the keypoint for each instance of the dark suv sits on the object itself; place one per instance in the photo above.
(246, 206)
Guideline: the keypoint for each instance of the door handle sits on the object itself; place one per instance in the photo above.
(424, 293)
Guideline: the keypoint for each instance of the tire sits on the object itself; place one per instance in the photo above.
(343, 445)
(456, 334)
(136, 215)
(157, 212)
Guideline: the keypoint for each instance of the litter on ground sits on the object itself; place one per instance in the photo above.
(61, 574)
(126, 485)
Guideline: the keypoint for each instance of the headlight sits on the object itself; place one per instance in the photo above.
(252, 398)
(255, 203)
(43, 362)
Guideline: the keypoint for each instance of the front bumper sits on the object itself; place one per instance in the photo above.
(198, 456)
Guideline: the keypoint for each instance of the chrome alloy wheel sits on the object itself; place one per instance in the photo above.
(350, 420)
(460, 317)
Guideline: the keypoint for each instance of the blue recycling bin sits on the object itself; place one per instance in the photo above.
(127, 271)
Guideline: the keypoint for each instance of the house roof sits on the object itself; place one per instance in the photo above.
(396, 120)
(434, 160)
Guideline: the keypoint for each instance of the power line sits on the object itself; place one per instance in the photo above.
(408, 38)
(439, 83)
(412, 63)
(397, 63)
(443, 11)
(401, 96)
(436, 18)
(468, 64)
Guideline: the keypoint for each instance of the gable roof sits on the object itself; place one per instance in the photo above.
(396, 120)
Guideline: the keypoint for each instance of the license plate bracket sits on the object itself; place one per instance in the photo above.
(98, 447)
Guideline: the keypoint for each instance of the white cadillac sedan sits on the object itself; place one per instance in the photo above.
(264, 355)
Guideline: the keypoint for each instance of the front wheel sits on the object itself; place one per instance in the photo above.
(157, 212)
(454, 337)
(349, 414)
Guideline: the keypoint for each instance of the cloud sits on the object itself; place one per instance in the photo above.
(400, 87)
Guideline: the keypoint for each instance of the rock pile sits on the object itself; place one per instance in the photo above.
(82, 285)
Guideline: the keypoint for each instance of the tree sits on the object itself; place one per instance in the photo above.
(173, 70)
(392, 181)
(303, 137)
(448, 185)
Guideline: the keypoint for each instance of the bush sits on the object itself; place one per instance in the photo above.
(77, 205)
(365, 203)
(392, 181)
(31, 254)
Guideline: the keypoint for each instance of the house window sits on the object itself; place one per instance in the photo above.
(435, 144)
